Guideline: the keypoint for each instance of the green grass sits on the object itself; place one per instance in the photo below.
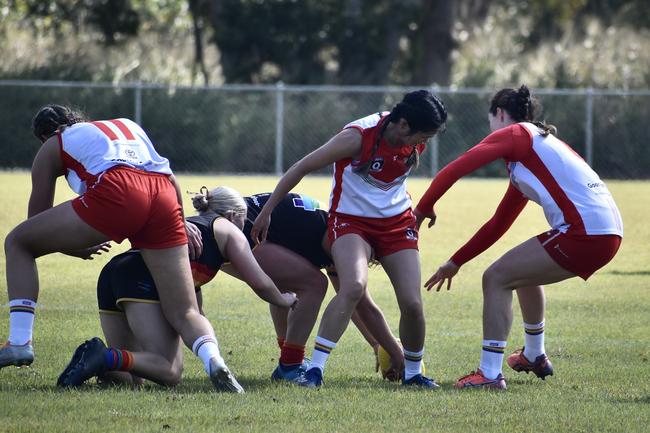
(597, 337)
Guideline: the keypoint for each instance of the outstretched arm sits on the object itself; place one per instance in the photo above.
(509, 143)
(345, 144)
(238, 251)
(512, 203)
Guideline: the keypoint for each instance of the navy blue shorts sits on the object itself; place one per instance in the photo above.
(125, 278)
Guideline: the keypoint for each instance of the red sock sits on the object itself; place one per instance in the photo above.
(292, 354)
(280, 342)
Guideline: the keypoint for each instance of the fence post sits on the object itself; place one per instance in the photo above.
(435, 158)
(589, 124)
(137, 102)
(279, 127)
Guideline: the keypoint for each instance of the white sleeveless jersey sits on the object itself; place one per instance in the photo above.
(382, 192)
(89, 149)
(573, 197)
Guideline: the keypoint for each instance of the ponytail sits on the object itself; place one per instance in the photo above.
(54, 118)
(521, 107)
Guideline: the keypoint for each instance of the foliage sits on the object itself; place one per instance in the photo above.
(596, 337)
(417, 42)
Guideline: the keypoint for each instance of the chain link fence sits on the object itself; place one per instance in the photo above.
(265, 129)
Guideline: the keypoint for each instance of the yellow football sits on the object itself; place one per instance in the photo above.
(384, 361)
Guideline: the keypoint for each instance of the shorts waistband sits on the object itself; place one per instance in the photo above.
(120, 167)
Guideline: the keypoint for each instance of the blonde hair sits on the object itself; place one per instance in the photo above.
(220, 200)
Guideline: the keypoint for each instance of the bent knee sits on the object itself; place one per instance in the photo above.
(412, 310)
(353, 290)
(494, 277)
(173, 377)
(12, 241)
(316, 286)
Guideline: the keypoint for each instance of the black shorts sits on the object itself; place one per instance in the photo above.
(297, 224)
(125, 278)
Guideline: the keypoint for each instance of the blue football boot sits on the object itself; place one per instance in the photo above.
(16, 355)
(421, 381)
(312, 378)
(87, 362)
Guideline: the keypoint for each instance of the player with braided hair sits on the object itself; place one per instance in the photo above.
(370, 213)
(586, 230)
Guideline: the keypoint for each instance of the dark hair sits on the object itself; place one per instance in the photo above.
(423, 111)
(52, 118)
(521, 106)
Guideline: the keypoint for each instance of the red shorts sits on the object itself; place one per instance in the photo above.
(385, 235)
(134, 204)
(581, 254)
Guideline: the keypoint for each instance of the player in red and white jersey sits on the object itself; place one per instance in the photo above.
(127, 191)
(370, 213)
(114, 142)
(388, 169)
(586, 230)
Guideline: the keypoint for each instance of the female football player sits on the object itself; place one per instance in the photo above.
(132, 321)
(370, 210)
(127, 190)
(295, 250)
(585, 234)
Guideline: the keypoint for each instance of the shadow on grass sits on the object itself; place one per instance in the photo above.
(634, 400)
(194, 385)
(252, 384)
(628, 273)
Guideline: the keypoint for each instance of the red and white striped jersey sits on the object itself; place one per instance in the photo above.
(570, 192)
(380, 193)
(545, 170)
(89, 149)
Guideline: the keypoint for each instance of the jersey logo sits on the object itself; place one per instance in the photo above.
(411, 235)
(307, 203)
(377, 164)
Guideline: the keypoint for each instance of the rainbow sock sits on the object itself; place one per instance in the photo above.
(116, 359)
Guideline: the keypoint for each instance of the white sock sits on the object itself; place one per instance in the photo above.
(492, 358)
(21, 321)
(322, 349)
(412, 363)
(534, 340)
(206, 348)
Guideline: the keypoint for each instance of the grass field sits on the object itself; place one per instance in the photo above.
(598, 337)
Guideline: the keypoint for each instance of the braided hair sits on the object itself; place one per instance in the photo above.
(423, 111)
(53, 118)
(521, 107)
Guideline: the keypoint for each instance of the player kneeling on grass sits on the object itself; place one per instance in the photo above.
(142, 342)
(126, 191)
(586, 230)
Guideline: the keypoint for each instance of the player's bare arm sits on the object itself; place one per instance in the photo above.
(45, 169)
(345, 144)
